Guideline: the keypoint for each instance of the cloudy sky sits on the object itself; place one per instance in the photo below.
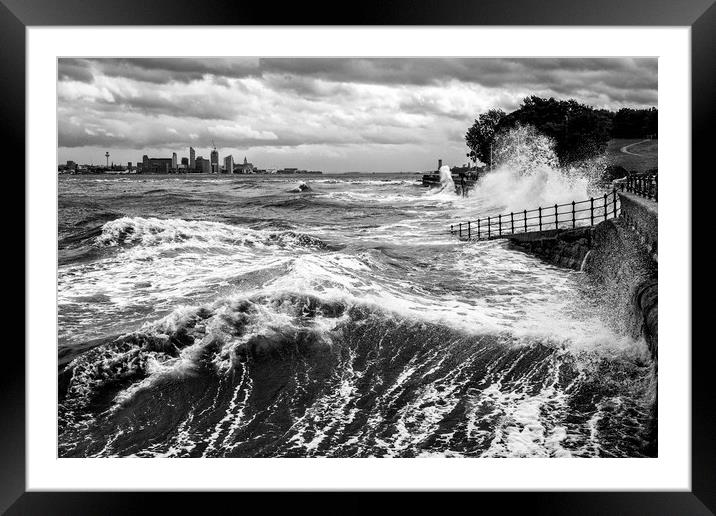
(335, 115)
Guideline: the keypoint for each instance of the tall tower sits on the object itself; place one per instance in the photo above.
(174, 160)
(229, 164)
(214, 159)
(192, 158)
(106, 155)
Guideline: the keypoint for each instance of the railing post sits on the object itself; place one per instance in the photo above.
(614, 198)
(499, 222)
(512, 222)
(574, 216)
(651, 186)
(591, 211)
(524, 219)
(652, 190)
(605, 206)
(556, 217)
(478, 229)
(469, 236)
(540, 218)
(460, 230)
(488, 227)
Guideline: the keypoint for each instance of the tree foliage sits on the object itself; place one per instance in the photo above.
(579, 131)
(480, 136)
(635, 123)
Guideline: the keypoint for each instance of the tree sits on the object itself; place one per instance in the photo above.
(479, 137)
(579, 131)
(635, 123)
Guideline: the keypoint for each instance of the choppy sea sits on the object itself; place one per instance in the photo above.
(239, 316)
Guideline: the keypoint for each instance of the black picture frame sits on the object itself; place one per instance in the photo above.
(700, 15)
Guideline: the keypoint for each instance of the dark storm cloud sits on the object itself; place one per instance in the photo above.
(159, 70)
(136, 103)
(536, 72)
(74, 70)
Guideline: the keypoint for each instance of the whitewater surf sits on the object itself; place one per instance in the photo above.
(210, 316)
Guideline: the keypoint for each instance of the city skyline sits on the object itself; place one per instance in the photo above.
(336, 115)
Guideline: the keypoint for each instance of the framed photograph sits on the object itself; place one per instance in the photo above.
(415, 249)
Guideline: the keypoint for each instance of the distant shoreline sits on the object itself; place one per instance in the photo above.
(324, 174)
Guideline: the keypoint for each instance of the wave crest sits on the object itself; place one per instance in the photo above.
(154, 231)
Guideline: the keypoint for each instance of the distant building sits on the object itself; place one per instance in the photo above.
(156, 165)
(192, 157)
(174, 160)
(185, 162)
(229, 164)
(215, 161)
(203, 166)
(246, 167)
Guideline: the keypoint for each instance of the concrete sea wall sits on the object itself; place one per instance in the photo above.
(620, 256)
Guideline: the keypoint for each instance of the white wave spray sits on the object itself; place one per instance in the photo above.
(448, 185)
(527, 175)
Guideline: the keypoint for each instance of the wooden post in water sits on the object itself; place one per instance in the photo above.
(469, 235)
(574, 216)
(591, 211)
(478, 229)
(460, 230)
(499, 222)
(512, 222)
(452, 232)
(524, 218)
(488, 227)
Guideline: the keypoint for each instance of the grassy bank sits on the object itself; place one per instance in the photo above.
(643, 153)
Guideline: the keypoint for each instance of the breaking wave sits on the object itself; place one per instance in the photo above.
(295, 375)
(154, 231)
(249, 321)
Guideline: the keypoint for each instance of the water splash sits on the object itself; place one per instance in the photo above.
(448, 185)
(527, 174)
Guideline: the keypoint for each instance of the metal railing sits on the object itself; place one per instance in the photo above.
(645, 185)
(557, 217)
